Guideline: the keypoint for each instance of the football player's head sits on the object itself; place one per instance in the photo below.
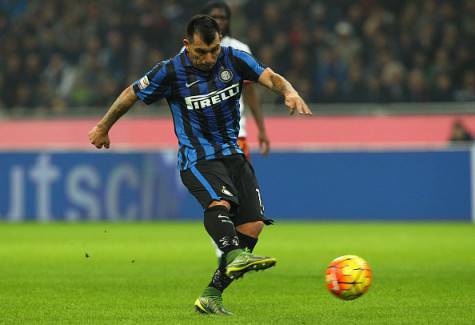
(202, 42)
(221, 12)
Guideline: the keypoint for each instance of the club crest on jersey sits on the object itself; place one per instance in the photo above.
(225, 75)
(212, 98)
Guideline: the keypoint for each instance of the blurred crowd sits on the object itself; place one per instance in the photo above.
(369, 51)
(57, 54)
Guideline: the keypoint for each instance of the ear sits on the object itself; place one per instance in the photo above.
(186, 43)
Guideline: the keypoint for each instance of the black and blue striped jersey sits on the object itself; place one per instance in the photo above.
(204, 105)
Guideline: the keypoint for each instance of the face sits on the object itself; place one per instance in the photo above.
(203, 56)
(221, 18)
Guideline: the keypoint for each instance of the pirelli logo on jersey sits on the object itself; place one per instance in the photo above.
(214, 97)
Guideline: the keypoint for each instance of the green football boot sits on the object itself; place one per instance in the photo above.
(211, 305)
(246, 262)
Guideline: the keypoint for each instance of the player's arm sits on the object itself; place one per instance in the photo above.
(99, 136)
(280, 85)
(250, 69)
(150, 88)
(252, 100)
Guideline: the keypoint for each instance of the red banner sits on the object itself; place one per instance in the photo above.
(284, 132)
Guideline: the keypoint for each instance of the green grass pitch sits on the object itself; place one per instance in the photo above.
(151, 273)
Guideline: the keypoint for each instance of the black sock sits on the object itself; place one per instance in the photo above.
(220, 281)
(220, 227)
(246, 241)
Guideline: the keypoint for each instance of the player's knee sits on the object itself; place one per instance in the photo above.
(224, 203)
(252, 229)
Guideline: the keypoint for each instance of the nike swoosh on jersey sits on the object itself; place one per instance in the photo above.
(188, 85)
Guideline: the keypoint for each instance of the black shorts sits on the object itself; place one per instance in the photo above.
(232, 179)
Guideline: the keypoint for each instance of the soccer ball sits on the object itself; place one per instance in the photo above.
(348, 277)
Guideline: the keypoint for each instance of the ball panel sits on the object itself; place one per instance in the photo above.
(348, 277)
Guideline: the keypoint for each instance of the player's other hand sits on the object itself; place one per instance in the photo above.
(264, 144)
(295, 103)
(99, 137)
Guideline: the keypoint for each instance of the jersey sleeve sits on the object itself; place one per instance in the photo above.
(246, 65)
(246, 48)
(154, 85)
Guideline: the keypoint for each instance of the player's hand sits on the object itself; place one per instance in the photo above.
(295, 103)
(264, 144)
(99, 137)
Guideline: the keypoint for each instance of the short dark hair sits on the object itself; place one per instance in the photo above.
(209, 6)
(205, 26)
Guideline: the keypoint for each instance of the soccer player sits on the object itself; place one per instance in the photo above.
(221, 12)
(202, 86)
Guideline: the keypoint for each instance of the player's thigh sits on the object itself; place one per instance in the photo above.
(209, 181)
(251, 206)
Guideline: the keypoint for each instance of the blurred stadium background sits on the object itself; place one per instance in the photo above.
(387, 80)
(392, 87)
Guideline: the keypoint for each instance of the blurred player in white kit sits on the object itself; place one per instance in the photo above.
(221, 12)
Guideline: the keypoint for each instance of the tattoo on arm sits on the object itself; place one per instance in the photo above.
(281, 85)
(120, 106)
